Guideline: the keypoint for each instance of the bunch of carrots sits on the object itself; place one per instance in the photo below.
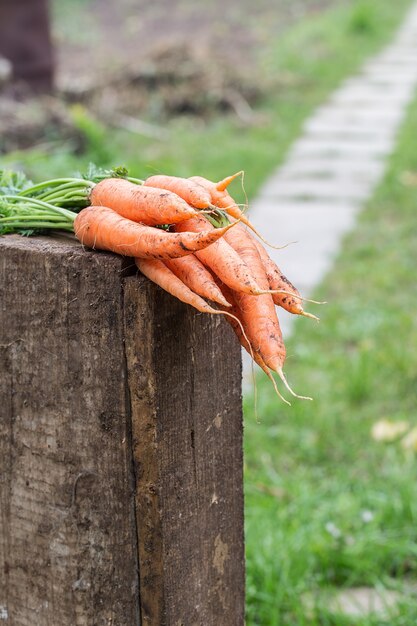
(187, 235)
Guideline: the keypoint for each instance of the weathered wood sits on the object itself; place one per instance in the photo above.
(68, 550)
(120, 448)
(185, 389)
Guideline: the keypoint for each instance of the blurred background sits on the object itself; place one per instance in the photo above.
(163, 85)
(211, 88)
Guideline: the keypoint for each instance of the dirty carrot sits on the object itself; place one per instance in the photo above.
(277, 280)
(161, 275)
(102, 228)
(258, 314)
(223, 260)
(244, 341)
(197, 277)
(140, 203)
(190, 191)
(220, 198)
(223, 200)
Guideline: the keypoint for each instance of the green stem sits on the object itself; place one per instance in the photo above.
(58, 200)
(41, 203)
(217, 218)
(50, 195)
(73, 200)
(54, 183)
(39, 225)
(67, 197)
(31, 218)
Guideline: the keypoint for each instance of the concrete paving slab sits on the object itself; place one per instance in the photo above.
(391, 75)
(355, 128)
(383, 112)
(347, 130)
(336, 189)
(323, 171)
(371, 100)
(329, 167)
(316, 228)
(360, 603)
(352, 149)
(365, 87)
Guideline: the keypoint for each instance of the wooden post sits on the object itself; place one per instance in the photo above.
(120, 447)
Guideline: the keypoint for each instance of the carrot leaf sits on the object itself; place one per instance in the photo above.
(12, 182)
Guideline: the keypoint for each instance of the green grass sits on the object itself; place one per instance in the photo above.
(313, 471)
(300, 68)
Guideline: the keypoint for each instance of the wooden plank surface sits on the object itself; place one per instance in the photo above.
(68, 553)
(185, 387)
(120, 448)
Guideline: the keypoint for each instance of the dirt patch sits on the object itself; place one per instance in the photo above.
(30, 122)
(172, 56)
(135, 60)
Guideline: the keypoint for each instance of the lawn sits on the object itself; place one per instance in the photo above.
(327, 506)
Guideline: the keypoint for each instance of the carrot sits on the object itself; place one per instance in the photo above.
(220, 198)
(102, 228)
(277, 281)
(244, 341)
(161, 275)
(141, 203)
(188, 190)
(197, 277)
(223, 200)
(223, 184)
(223, 260)
(258, 315)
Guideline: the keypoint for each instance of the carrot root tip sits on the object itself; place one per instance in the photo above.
(313, 317)
(223, 184)
(287, 386)
(280, 396)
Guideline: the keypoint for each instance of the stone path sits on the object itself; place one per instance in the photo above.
(335, 165)
(361, 602)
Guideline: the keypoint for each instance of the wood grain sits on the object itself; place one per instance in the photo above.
(185, 386)
(68, 546)
(121, 496)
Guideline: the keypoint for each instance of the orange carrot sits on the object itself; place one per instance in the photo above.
(197, 277)
(223, 260)
(262, 327)
(258, 315)
(161, 275)
(223, 200)
(188, 190)
(102, 228)
(243, 339)
(140, 203)
(220, 198)
(277, 281)
(223, 184)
